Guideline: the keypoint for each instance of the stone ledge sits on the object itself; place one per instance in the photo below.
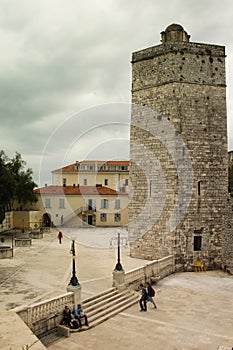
(63, 330)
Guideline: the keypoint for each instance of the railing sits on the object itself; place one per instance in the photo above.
(161, 267)
(45, 315)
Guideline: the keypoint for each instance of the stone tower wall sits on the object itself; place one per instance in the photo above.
(180, 188)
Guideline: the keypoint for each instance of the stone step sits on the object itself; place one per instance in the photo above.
(112, 308)
(112, 312)
(108, 303)
(99, 297)
(89, 307)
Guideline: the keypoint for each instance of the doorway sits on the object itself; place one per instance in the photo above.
(89, 219)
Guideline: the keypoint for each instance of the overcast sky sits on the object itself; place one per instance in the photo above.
(60, 58)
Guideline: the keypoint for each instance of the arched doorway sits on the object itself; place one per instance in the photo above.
(46, 222)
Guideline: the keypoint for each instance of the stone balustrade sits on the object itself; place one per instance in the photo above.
(161, 267)
(45, 315)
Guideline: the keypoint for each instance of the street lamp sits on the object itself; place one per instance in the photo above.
(118, 266)
(73, 281)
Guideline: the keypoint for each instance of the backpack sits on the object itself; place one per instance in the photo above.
(152, 292)
(74, 324)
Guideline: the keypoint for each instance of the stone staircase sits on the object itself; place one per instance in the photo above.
(98, 308)
(107, 304)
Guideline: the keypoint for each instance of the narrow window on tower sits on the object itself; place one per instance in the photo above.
(199, 188)
(197, 243)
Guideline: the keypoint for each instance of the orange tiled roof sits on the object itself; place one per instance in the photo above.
(73, 167)
(81, 190)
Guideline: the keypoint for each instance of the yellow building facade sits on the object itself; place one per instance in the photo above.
(85, 193)
(112, 174)
(82, 205)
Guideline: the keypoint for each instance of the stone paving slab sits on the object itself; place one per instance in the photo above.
(195, 310)
(15, 335)
(43, 270)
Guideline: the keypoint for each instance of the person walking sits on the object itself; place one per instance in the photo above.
(60, 236)
(151, 294)
(143, 298)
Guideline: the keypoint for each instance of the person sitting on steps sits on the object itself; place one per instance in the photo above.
(68, 319)
(79, 314)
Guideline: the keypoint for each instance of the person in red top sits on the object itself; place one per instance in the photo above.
(60, 236)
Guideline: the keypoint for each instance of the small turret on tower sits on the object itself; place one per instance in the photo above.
(174, 32)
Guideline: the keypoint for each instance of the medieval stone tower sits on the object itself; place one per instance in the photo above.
(178, 152)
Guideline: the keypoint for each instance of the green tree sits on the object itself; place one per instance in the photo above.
(16, 183)
(24, 183)
(7, 185)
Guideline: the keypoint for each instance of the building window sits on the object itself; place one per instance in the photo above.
(197, 243)
(85, 182)
(103, 217)
(111, 167)
(104, 203)
(123, 167)
(105, 182)
(63, 182)
(90, 167)
(47, 203)
(117, 204)
(102, 167)
(126, 182)
(62, 203)
(117, 217)
(199, 188)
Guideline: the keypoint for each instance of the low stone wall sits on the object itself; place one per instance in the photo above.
(161, 267)
(36, 234)
(23, 242)
(6, 252)
(46, 315)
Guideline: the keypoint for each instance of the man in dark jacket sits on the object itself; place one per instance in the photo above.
(143, 299)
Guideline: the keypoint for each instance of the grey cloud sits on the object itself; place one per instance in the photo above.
(60, 57)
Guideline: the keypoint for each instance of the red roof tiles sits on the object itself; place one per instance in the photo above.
(77, 191)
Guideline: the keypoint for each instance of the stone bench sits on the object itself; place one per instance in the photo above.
(23, 242)
(6, 252)
(64, 330)
(36, 234)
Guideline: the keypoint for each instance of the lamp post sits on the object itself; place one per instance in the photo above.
(118, 266)
(73, 281)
